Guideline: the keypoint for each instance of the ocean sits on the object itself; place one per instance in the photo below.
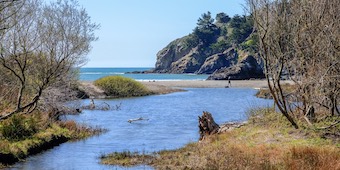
(91, 74)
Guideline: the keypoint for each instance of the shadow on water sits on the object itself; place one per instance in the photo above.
(172, 123)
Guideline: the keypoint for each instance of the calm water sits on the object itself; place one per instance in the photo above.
(90, 74)
(172, 123)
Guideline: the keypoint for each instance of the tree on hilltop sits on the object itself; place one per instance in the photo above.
(222, 18)
(206, 30)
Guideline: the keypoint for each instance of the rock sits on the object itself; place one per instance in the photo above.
(190, 63)
(179, 57)
(247, 69)
(140, 72)
(217, 61)
(176, 50)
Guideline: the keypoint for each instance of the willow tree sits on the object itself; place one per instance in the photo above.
(46, 43)
(300, 39)
(271, 20)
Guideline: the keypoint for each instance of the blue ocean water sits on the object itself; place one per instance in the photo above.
(91, 74)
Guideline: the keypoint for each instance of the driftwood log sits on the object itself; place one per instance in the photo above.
(138, 119)
(207, 125)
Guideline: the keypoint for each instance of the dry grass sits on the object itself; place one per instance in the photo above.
(126, 158)
(235, 151)
(288, 87)
(80, 131)
(266, 142)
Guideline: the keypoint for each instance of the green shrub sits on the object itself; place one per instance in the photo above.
(18, 127)
(119, 86)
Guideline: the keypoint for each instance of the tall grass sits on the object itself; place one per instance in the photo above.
(118, 86)
(23, 135)
(18, 127)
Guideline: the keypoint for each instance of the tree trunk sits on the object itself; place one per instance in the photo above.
(207, 125)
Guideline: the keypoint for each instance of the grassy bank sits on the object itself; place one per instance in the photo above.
(266, 142)
(118, 86)
(265, 92)
(22, 136)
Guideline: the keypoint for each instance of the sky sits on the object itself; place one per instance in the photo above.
(133, 31)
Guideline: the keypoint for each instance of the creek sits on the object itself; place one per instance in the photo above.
(172, 123)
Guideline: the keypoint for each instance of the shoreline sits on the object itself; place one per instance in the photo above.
(164, 87)
(208, 83)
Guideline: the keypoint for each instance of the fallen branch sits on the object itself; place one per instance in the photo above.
(138, 119)
(327, 127)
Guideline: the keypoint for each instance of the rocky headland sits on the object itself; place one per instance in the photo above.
(224, 49)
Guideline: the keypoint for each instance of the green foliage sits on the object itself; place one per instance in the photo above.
(222, 18)
(233, 31)
(251, 43)
(267, 117)
(206, 30)
(22, 133)
(242, 28)
(220, 46)
(118, 86)
(191, 41)
(18, 127)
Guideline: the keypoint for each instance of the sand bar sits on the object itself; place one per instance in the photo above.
(208, 83)
(164, 87)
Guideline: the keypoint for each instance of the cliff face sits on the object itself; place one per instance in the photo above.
(171, 53)
(177, 58)
(248, 68)
(218, 61)
(223, 48)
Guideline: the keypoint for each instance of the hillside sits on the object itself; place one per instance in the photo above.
(223, 47)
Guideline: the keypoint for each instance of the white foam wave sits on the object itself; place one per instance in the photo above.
(145, 80)
(105, 73)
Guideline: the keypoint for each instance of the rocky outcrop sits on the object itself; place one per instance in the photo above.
(248, 68)
(173, 52)
(178, 57)
(217, 61)
(213, 47)
(189, 63)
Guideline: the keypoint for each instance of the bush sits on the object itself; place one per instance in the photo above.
(118, 86)
(18, 127)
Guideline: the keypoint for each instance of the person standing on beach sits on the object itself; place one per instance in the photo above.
(229, 83)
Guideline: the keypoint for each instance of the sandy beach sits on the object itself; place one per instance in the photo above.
(208, 84)
(164, 87)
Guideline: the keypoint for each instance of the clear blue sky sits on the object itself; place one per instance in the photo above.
(133, 31)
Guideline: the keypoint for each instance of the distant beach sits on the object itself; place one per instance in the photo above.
(208, 83)
(163, 83)
(164, 87)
